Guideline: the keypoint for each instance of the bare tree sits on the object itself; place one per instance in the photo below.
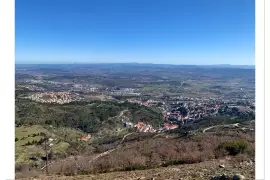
(46, 152)
(46, 149)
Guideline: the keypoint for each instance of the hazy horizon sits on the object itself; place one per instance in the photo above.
(68, 63)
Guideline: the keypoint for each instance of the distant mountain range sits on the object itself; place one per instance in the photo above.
(136, 64)
(231, 66)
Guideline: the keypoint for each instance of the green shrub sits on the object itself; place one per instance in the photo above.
(172, 162)
(233, 147)
(134, 167)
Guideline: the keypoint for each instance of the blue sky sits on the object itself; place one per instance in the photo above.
(144, 31)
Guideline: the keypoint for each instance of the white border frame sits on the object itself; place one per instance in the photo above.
(7, 16)
(7, 133)
(267, 88)
(259, 74)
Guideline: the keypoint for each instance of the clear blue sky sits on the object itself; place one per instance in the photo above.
(149, 31)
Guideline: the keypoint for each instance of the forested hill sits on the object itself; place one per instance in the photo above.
(87, 116)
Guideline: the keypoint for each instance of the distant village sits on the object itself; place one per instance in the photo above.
(183, 110)
(54, 97)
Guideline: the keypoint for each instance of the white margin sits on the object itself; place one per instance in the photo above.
(7, 50)
(259, 74)
(267, 88)
(7, 81)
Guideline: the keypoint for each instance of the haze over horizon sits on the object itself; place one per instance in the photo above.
(188, 32)
(142, 63)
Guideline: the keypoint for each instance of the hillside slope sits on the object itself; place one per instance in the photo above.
(90, 117)
(199, 171)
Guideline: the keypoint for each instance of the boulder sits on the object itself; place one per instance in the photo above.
(222, 166)
(238, 177)
(222, 177)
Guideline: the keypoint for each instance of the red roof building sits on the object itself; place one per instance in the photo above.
(168, 126)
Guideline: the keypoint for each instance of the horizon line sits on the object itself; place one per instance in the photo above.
(72, 63)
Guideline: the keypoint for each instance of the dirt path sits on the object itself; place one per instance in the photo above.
(122, 112)
(120, 115)
(101, 155)
(109, 151)
(225, 125)
(124, 138)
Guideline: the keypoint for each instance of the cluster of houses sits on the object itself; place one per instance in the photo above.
(175, 116)
(143, 127)
(54, 97)
(197, 109)
(32, 87)
(140, 126)
(123, 91)
(147, 103)
(170, 126)
(93, 89)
